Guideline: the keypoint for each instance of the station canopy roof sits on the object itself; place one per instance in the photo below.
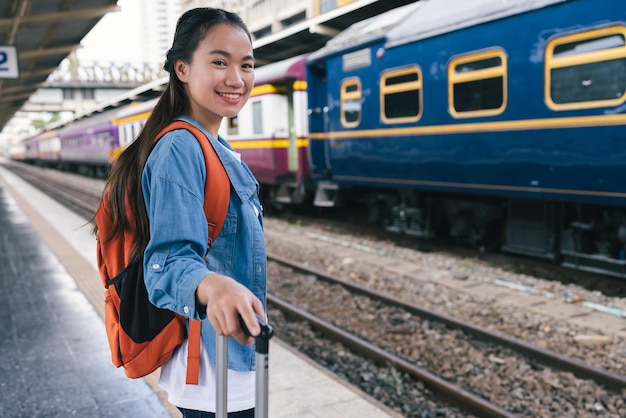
(35, 36)
(312, 34)
(44, 32)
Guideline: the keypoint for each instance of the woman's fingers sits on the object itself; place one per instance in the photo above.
(226, 302)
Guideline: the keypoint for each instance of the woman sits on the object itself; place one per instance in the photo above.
(211, 69)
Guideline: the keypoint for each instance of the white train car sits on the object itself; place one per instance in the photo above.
(130, 121)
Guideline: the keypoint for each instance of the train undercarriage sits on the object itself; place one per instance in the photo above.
(93, 170)
(575, 235)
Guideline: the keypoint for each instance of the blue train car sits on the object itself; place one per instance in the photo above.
(493, 122)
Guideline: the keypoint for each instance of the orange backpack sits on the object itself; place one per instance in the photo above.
(141, 336)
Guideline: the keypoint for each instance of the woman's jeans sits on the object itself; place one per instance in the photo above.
(190, 413)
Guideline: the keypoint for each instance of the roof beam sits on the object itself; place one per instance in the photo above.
(39, 72)
(61, 16)
(21, 87)
(37, 53)
(25, 95)
(24, 5)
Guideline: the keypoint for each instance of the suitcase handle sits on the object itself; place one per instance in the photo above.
(262, 375)
(263, 339)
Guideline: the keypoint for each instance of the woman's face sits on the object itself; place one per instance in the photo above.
(220, 76)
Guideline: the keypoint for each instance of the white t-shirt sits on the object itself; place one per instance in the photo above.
(201, 397)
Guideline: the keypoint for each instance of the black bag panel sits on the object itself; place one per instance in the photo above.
(139, 318)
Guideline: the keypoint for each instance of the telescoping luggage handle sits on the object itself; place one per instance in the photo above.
(262, 343)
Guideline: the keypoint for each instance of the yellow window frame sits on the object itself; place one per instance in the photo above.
(346, 96)
(583, 58)
(476, 75)
(400, 88)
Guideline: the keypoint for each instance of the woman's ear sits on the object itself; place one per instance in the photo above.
(182, 70)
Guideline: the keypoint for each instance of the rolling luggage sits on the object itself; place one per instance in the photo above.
(262, 371)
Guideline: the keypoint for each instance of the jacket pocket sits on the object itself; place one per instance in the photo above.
(221, 256)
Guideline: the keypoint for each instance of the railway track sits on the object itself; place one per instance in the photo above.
(540, 354)
(385, 347)
(79, 193)
(331, 320)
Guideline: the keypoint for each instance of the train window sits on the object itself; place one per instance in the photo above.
(233, 126)
(127, 135)
(102, 139)
(351, 103)
(586, 69)
(257, 118)
(477, 84)
(137, 130)
(401, 95)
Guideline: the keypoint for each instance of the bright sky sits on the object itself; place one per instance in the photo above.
(116, 37)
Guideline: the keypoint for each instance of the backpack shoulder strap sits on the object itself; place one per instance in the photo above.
(217, 186)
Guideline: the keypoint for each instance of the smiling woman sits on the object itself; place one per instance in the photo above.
(156, 192)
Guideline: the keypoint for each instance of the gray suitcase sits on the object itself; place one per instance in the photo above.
(262, 342)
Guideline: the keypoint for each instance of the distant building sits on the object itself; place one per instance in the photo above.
(157, 28)
(159, 22)
(236, 6)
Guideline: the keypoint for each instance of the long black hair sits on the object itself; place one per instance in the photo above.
(123, 192)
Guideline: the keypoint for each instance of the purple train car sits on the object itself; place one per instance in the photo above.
(86, 144)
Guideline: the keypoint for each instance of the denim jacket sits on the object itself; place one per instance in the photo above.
(173, 188)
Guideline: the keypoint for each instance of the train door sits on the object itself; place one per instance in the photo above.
(300, 134)
(292, 145)
(317, 85)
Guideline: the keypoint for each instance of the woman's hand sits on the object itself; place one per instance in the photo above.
(225, 300)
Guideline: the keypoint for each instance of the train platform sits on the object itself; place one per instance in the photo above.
(56, 360)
